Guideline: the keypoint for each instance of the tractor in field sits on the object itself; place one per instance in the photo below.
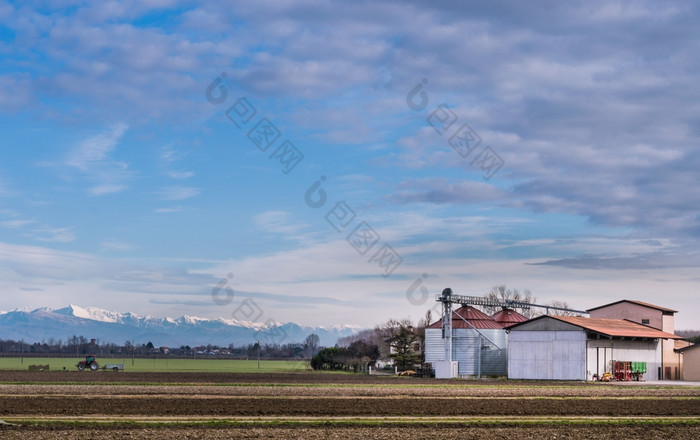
(89, 362)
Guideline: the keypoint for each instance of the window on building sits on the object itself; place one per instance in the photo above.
(645, 321)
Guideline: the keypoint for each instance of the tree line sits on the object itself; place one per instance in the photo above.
(398, 340)
(80, 346)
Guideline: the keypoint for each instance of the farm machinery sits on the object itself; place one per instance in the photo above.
(90, 362)
(623, 371)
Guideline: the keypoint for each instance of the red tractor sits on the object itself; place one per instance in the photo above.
(89, 362)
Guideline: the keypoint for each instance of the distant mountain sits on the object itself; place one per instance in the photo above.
(107, 326)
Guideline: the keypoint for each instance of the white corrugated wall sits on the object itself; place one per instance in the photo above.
(604, 351)
(556, 355)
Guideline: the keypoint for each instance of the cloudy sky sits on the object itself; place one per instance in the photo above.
(343, 162)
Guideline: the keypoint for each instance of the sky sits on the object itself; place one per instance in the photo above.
(332, 163)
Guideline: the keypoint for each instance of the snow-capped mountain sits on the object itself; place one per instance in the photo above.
(107, 326)
(92, 313)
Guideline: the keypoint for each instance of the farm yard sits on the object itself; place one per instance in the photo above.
(57, 404)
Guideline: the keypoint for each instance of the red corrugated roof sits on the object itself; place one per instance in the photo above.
(616, 327)
(686, 348)
(508, 317)
(651, 306)
(679, 345)
(476, 317)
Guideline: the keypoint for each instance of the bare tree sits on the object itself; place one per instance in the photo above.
(311, 344)
(420, 330)
(370, 335)
(561, 305)
(501, 293)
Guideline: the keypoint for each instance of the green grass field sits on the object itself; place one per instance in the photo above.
(161, 364)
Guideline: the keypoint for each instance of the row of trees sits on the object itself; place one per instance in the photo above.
(502, 293)
(80, 345)
(398, 340)
(355, 357)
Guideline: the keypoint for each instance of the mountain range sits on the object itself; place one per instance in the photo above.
(106, 326)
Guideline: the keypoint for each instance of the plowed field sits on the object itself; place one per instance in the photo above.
(308, 405)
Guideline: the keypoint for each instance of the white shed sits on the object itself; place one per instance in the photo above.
(575, 348)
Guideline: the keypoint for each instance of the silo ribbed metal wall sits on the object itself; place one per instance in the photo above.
(494, 362)
(466, 343)
(434, 345)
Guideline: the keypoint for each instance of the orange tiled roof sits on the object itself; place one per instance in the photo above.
(616, 327)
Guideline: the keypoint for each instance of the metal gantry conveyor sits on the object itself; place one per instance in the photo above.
(447, 298)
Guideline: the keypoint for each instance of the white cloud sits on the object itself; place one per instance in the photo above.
(17, 223)
(107, 189)
(50, 234)
(169, 210)
(15, 92)
(591, 107)
(178, 193)
(116, 245)
(93, 151)
(92, 159)
(181, 174)
(278, 222)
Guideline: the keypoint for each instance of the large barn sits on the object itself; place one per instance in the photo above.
(660, 318)
(576, 348)
(479, 343)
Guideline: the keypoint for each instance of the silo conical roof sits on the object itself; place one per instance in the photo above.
(476, 318)
(508, 317)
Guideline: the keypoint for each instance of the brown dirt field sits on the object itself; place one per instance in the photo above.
(232, 398)
(361, 390)
(244, 406)
(210, 378)
(260, 378)
(592, 432)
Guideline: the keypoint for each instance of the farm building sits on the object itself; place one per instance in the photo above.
(576, 348)
(479, 343)
(651, 315)
(689, 357)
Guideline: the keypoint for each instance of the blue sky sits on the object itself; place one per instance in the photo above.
(152, 148)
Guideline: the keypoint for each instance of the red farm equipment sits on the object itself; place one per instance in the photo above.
(89, 362)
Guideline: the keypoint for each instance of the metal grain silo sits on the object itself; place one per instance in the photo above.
(478, 343)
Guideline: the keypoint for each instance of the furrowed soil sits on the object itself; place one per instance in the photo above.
(317, 405)
(591, 432)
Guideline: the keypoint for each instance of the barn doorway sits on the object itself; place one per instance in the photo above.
(604, 356)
